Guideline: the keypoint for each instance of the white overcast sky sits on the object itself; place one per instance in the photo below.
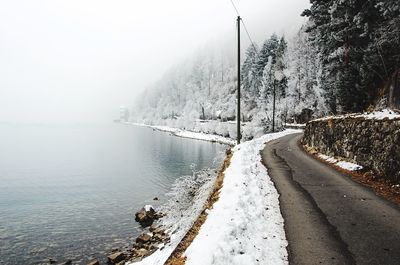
(79, 60)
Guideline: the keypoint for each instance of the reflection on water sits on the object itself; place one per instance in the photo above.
(71, 192)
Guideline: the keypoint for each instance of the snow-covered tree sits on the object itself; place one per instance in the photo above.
(304, 86)
(359, 49)
(250, 79)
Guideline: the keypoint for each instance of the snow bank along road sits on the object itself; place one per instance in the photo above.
(245, 225)
(329, 219)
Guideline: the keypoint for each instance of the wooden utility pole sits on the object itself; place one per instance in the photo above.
(273, 107)
(239, 135)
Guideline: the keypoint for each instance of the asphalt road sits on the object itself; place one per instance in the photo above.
(330, 219)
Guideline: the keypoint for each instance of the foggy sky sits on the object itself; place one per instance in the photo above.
(79, 60)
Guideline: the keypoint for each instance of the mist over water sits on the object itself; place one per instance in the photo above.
(70, 192)
(78, 61)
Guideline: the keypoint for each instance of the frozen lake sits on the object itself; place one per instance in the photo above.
(70, 192)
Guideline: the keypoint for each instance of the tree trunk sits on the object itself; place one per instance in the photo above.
(390, 102)
(396, 89)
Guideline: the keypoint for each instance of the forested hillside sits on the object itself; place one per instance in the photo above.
(359, 43)
(344, 59)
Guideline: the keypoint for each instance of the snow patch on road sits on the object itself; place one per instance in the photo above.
(342, 164)
(245, 225)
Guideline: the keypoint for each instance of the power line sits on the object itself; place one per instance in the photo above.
(251, 40)
(234, 6)
(246, 30)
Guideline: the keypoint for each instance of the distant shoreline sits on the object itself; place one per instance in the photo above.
(188, 134)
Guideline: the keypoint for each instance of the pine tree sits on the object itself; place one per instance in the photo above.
(384, 52)
(269, 49)
(358, 41)
(280, 68)
(304, 69)
(250, 80)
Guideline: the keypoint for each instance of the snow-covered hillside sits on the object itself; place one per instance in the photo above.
(333, 65)
(200, 93)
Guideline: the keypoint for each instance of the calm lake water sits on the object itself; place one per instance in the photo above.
(70, 192)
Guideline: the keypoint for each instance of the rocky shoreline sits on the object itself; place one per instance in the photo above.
(156, 234)
(153, 238)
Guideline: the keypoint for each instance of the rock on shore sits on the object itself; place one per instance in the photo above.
(116, 257)
(146, 216)
(146, 243)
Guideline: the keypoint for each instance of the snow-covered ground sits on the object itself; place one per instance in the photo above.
(375, 115)
(188, 134)
(245, 225)
(380, 115)
(185, 203)
(295, 125)
(342, 164)
(225, 129)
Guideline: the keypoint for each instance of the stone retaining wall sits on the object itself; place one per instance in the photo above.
(373, 144)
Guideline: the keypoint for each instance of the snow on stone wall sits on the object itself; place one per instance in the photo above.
(371, 143)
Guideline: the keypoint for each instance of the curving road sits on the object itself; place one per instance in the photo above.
(329, 219)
